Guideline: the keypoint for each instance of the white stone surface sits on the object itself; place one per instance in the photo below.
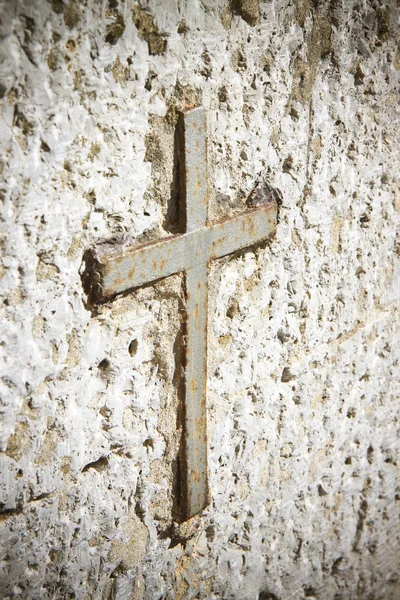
(304, 382)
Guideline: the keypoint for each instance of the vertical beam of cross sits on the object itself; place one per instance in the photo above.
(110, 271)
(194, 206)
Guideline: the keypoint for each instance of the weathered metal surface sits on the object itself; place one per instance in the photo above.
(138, 265)
(189, 252)
(196, 484)
(194, 170)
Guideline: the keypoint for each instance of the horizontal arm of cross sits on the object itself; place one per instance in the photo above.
(141, 264)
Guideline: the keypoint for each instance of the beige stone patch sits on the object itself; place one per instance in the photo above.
(263, 476)
(63, 500)
(274, 138)
(396, 62)
(148, 30)
(46, 270)
(65, 465)
(186, 577)
(286, 450)
(316, 147)
(316, 460)
(319, 398)
(138, 588)
(120, 72)
(38, 326)
(362, 300)
(19, 442)
(160, 153)
(131, 550)
(225, 340)
(226, 17)
(302, 10)
(248, 10)
(71, 14)
(243, 490)
(285, 475)
(52, 60)
(396, 202)
(97, 401)
(74, 349)
(75, 248)
(259, 448)
(335, 233)
(160, 506)
(15, 297)
(52, 438)
(55, 354)
(95, 150)
(46, 452)
(338, 496)
(128, 419)
(304, 73)
(296, 239)
(114, 30)
(369, 409)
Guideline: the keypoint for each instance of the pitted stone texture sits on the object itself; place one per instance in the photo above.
(304, 360)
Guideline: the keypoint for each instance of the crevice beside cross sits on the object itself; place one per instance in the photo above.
(110, 271)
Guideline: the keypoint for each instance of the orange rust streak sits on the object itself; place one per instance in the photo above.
(119, 282)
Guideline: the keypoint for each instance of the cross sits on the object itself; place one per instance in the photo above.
(111, 271)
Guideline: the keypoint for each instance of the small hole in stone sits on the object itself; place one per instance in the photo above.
(149, 443)
(70, 45)
(133, 346)
(146, 214)
(104, 364)
(20, 473)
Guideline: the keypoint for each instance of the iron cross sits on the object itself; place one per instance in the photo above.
(112, 271)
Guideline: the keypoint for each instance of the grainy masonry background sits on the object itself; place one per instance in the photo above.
(303, 389)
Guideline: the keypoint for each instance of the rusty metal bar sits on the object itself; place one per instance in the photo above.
(196, 473)
(138, 265)
(242, 231)
(193, 192)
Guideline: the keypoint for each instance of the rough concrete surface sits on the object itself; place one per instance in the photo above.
(303, 387)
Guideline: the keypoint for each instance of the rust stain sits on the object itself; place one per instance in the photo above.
(118, 283)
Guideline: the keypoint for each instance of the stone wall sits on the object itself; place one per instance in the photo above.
(303, 385)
